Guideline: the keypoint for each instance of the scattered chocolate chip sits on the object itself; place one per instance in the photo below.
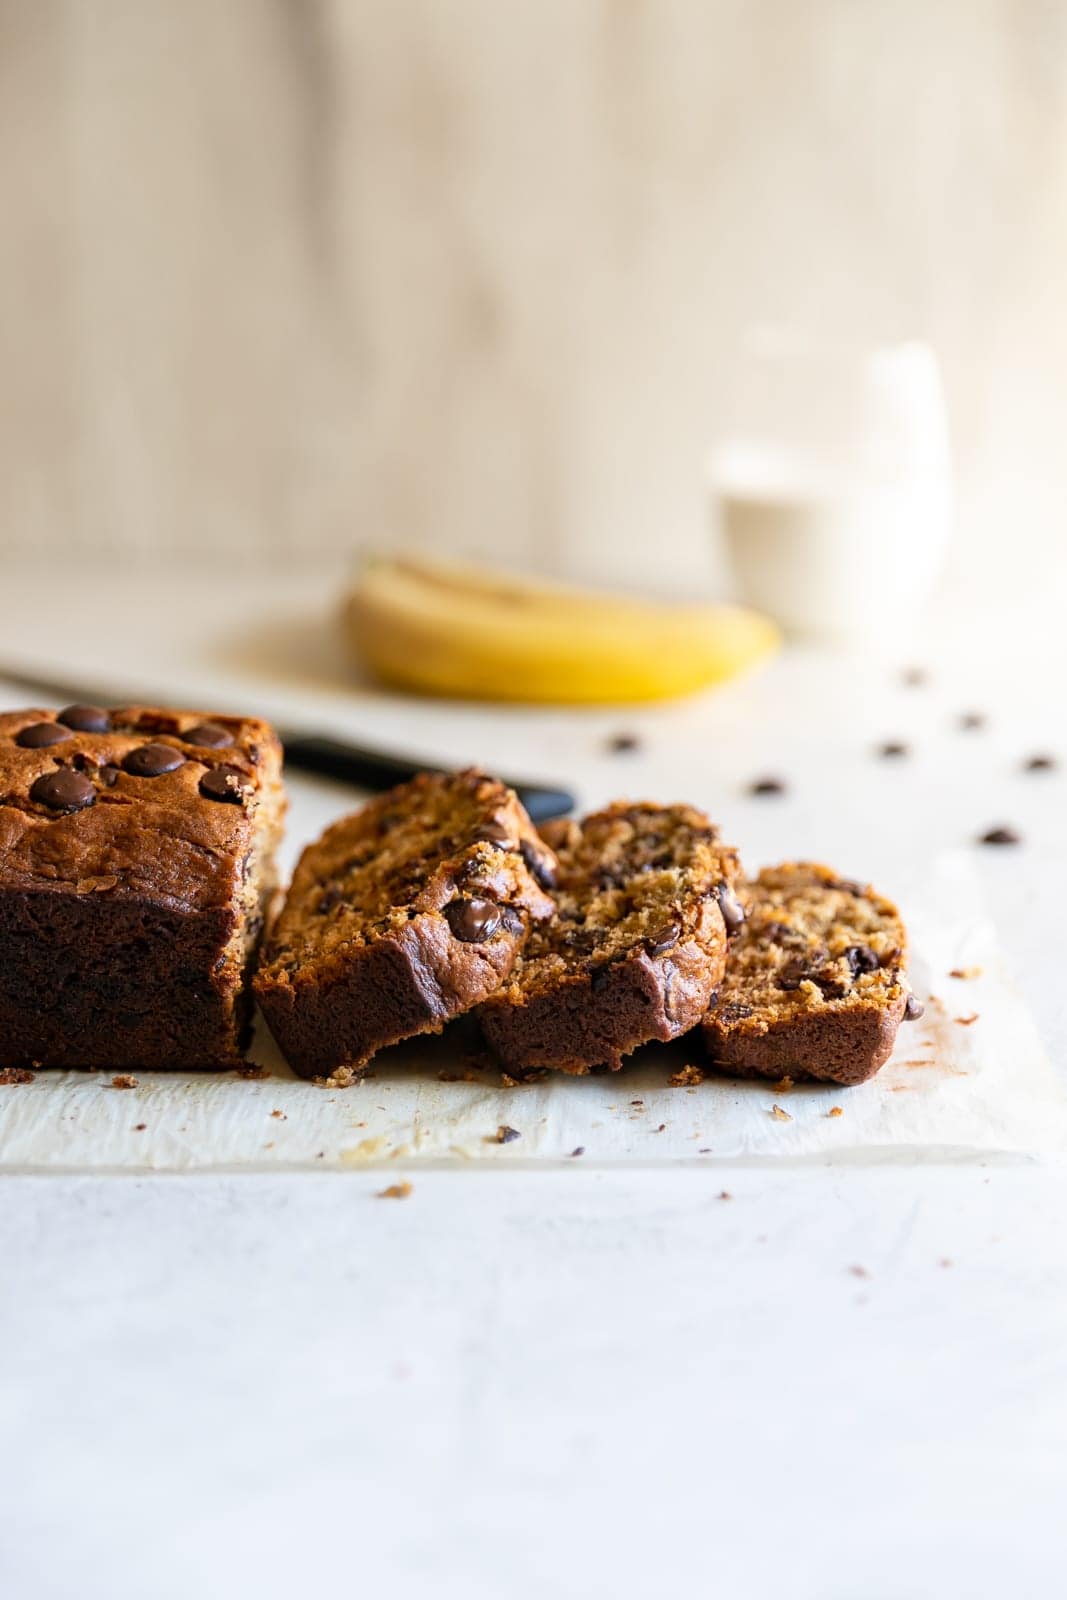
(493, 832)
(761, 786)
(971, 721)
(914, 677)
(914, 1009)
(64, 790)
(892, 750)
(152, 760)
(664, 938)
(225, 783)
(86, 719)
(473, 921)
(39, 735)
(733, 912)
(505, 1135)
(539, 863)
(1000, 836)
(209, 735)
(861, 958)
(623, 743)
(1040, 764)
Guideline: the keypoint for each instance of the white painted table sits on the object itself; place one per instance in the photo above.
(834, 1384)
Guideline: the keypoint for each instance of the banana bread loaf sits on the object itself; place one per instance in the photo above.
(401, 917)
(636, 947)
(814, 986)
(136, 862)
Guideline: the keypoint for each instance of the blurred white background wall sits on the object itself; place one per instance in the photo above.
(287, 277)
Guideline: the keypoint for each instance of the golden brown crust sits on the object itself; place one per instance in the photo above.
(635, 949)
(815, 986)
(400, 917)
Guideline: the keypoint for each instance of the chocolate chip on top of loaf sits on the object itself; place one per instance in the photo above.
(401, 917)
(637, 945)
(814, 985)
(136, 861)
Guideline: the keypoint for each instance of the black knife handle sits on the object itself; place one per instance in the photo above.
(370, 769)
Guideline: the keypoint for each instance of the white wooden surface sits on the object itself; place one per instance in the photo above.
(581, 1382)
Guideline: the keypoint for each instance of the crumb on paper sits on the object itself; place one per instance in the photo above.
(835, 1111)
(724, 1194)
(279, 1113)
(252, 1073)
(686, 1077)
(965, 972)
(396, 1191)
(783, 1085)
(780, 1115)
(661, 1127)
(504, 1135)
(10, 1075)
(340, 1078)
(579, 1150)
(637, 1103)
(859, 1272)
(124, 1080)
(139, 1127)
(945, 1262)
(965, 1022)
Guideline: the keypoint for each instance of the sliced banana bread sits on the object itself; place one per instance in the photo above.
(401, 917)
(636, 947)
(814, 985)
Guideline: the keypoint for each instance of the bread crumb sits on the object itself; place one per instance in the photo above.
(779, 1115)
(280, 1114)
(504, 1134)
(686, 1077)
(395, 1191)
(725, 1195)
(944, 1262)
(124, 1080)
(965, 1022)
(139, 1127)
(783, 1085)
(965, 972)
(340, 1078)
(835, 1111)
(16, 1075)
(252, 1073)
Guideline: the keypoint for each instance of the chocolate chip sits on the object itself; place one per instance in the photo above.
(914, 1009)
(861, 958)
(63, 790)
(510, 920)
(493, 832)
(330, 897)
(601, 976)
(152, 760)
(39, 735)
(795, 972)
(847, 886)
(1040, 764)
(733, 912)
(108, 775)
(892, 750)
(664, 938)
(970, 721)
(209, 735)
(225, 783)
(767, 786)
(733, 1012)
(1000, 836)
(86, 719)
(623, 743)
(473, 921)
(505, 1135)
(539, 863)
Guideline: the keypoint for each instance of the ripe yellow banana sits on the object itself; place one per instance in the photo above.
(491, 636)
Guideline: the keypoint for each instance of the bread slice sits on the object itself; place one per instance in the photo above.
(401, 917)
(814, 985)
(635, 949)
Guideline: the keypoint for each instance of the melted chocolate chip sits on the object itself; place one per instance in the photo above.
(914, 1009)
(1040, 764)
(664, 938)
(86, 719)
(1000, 836)
(493, 832)
(152, 760)
(733, 912)
(861, 958)
(225, 783)
(209, 736)
(329, 898)
(539, 863)
(39, 735)
(892, 750)
(473, 921)
(765, 786)
(64, 790)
